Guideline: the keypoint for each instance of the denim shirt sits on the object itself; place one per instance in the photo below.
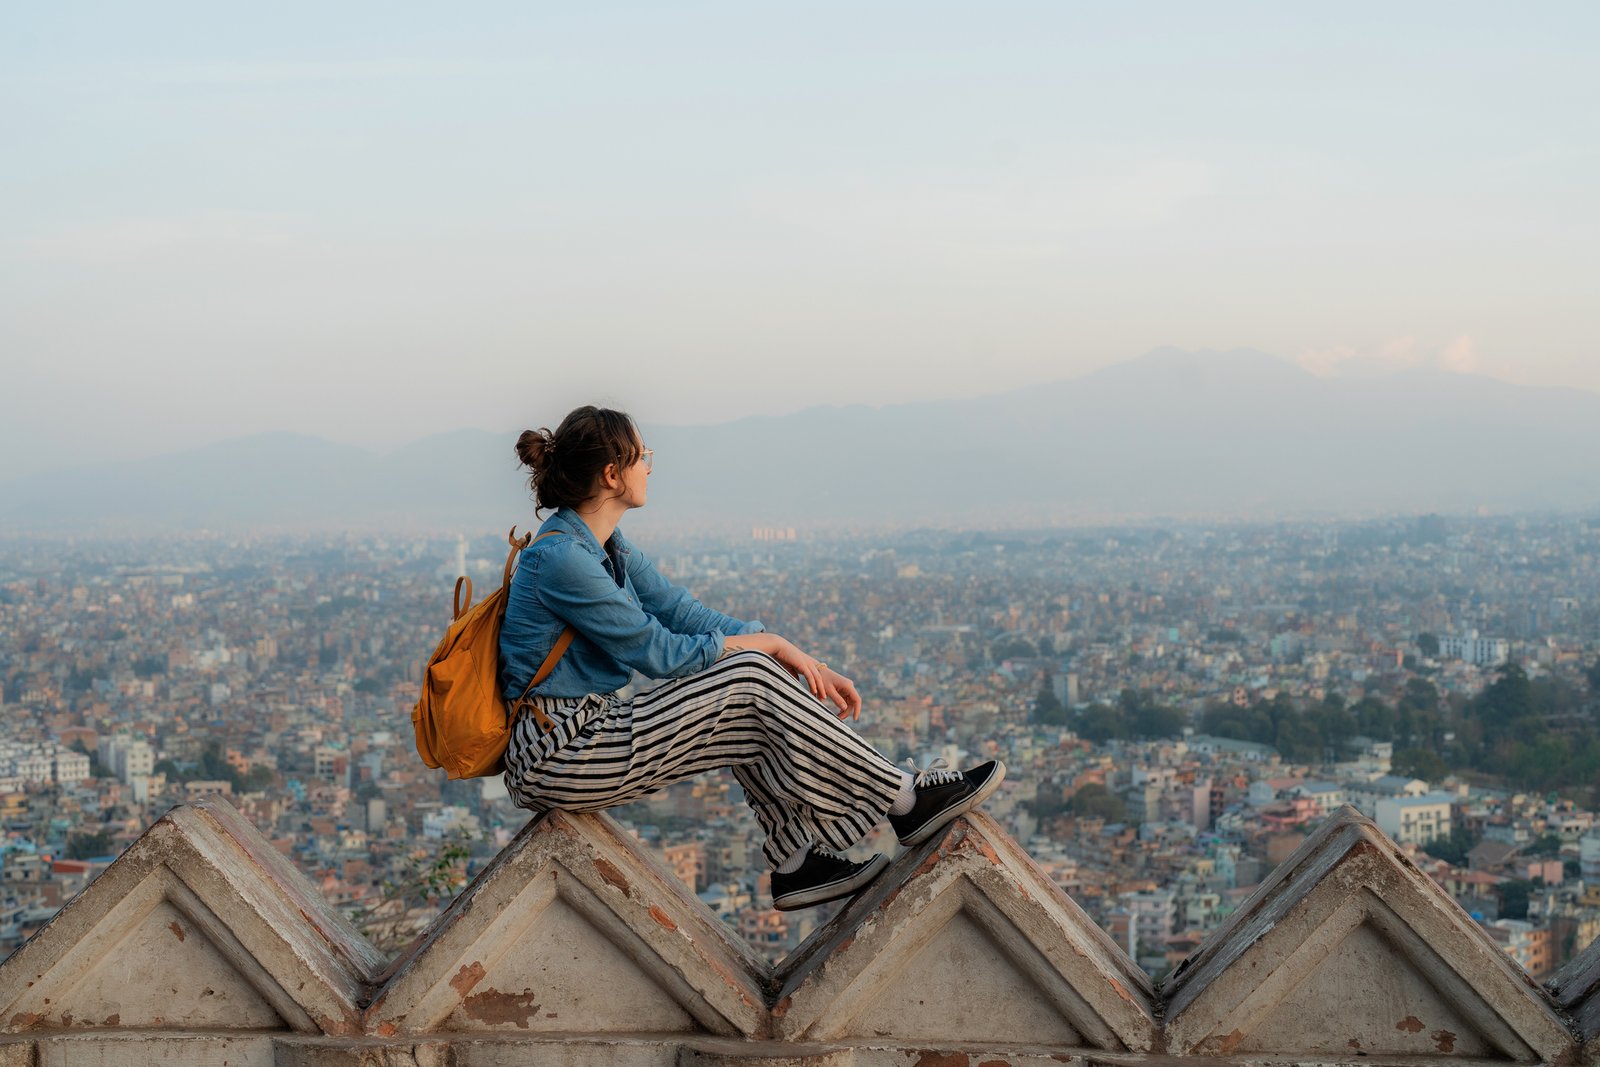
(627, 617)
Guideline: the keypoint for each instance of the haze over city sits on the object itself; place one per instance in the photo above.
(375, 224)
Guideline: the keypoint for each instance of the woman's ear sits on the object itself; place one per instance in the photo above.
(609, 479)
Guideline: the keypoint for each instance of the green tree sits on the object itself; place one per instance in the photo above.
(1507, 702)
(1421, 695)
(1374, 718)
(84, 846)
(1452, 848)
(1422, 763)
(1096, 801)
(1013, 646)
(1047, 709)
(1047, 802)
(1298, 740)
(1101, 723)
(1429, 644)
(1334, 722)
(1514, 898)
(214, 767)
(1241, 724)
(1548, 845)
(1147, 718)
(425, 882)
(257, 778)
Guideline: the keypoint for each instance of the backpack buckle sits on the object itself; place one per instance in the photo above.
(545, 722)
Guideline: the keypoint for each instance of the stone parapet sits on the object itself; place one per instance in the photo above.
(202, 945)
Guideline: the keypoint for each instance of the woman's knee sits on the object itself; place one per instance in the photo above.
(757, 665)
(762, 674)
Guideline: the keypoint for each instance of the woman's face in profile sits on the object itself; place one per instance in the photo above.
(636, 478)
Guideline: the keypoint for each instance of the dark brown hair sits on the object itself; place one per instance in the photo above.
(568, 464)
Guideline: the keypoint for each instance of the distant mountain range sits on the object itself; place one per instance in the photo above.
(1171, 434)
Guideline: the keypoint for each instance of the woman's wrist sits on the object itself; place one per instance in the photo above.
(759, 642)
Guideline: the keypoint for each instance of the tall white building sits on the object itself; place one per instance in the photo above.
(1415, 820)
(127, 757)
(1589, 856)
(71, 766)
(1479, 651)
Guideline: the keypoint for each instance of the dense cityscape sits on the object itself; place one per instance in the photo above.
(1178, 707)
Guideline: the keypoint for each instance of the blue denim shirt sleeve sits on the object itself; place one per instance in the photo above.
(677, 609)
(575, 587)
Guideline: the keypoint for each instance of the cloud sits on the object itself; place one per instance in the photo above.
(1458, 355)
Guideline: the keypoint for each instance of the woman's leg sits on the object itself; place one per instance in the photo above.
(808, 776)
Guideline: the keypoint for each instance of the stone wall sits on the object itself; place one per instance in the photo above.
(202, 945)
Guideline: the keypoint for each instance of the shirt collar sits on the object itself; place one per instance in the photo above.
(567, 520)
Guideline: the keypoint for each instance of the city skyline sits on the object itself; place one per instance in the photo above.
(1184, 707)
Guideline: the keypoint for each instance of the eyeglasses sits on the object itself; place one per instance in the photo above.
(648, 458)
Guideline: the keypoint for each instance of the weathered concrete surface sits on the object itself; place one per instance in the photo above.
(333, 1053)
(1349, 950)
(1576, 988)
(965, 940)
(202, 947)
(135, 1048)
(663, 1050)
(285, 880)
(877, 1056)
(575, 929)
(778, 1056)
(463, 1050)
(195, 926)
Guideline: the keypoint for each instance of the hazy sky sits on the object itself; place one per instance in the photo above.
(376, 221)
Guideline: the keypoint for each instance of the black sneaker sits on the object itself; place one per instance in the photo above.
(942, 795)
(825, 875)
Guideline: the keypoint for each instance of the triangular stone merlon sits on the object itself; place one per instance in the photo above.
(977, 876)
(204, 870)
(1347, 877)
(1576, 987)
(288, 884)
(257, 928)
(563, 870)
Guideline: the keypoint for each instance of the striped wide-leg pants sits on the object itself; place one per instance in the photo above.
(808, 776)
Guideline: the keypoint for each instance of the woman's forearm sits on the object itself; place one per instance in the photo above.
(825, 684)
(771, 644)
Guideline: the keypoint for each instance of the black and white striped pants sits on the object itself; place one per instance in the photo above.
(808, 776)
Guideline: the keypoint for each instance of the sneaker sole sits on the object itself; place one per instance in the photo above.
(833, 890)
(955, 811)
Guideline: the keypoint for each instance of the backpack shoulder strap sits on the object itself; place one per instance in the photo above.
(562, 643)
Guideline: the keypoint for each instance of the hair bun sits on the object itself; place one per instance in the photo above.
(534, 448)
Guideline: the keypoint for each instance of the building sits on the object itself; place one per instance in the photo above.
(127, 757)
(1479, 651)
(1366, 795)
(1415, 820)
(1526, 943)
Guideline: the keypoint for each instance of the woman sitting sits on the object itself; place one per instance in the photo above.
(733, 696)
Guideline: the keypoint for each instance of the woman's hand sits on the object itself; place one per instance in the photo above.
(826, 684)
(842, 691)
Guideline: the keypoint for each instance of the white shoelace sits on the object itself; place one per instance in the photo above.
(936, 773)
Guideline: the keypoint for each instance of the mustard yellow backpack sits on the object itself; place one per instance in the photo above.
(462, 720)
